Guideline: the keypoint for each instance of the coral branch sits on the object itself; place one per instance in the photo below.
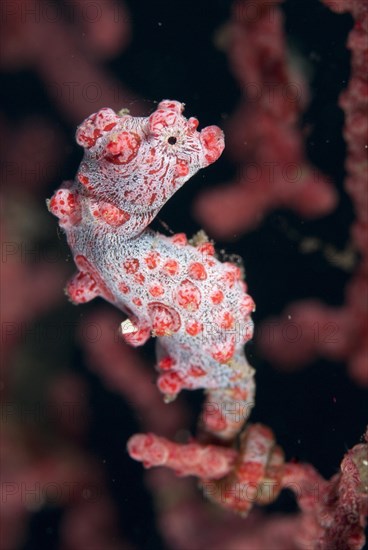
(334, 512)
(192, 459)
(264, 138)
(347, 328)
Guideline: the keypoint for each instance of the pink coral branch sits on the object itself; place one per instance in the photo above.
(334, 512)
(192, 459)
(342, 332)
(263, 134)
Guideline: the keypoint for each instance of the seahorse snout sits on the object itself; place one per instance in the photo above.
(213, 142)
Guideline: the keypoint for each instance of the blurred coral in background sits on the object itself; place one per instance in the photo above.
(72, 393)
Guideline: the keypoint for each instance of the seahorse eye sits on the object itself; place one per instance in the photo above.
(172, 140)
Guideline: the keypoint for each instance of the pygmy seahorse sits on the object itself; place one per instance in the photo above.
(176, 290)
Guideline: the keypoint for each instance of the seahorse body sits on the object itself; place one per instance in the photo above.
(196, 305)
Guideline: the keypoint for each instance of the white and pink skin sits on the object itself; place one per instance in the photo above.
(181, 293)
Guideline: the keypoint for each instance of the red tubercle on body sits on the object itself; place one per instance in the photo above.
(166, 363)
(86, 267)
(124, 288)
(161, 119)
(170, 383)
(206, 249)
(226, 320)
(156, 289)
(138, 337)
(82, 288)
(187, 295)
(165, 319)
(122, 148)
(217, 297)
(171, 267)
(131, 265)
(113, 215)
(193, 124)
(179, 239)
(139, 278)
(109, 126)
(213, 142)
(175, 106)
(197, 271)
(65, 205)
(223, 351)
(88, 138)
(84, 180)
(152, 259)
(196, 371)
(181, 168)
(194, 328)
(231, 275)
(95, 126)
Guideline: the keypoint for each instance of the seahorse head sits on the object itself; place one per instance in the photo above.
(137, 164)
